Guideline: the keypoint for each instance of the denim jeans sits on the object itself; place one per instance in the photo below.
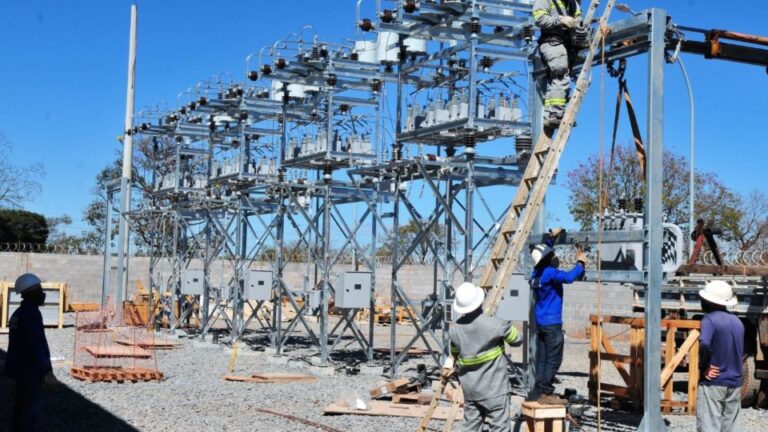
(549, 356)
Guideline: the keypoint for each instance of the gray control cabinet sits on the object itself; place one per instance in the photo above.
(258, 285)
(192, 282)
(514, 304)
(354, 290)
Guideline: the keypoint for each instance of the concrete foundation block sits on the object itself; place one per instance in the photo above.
(322, 370)
(371, 370)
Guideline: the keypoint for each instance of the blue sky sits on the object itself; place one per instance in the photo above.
(62, 95)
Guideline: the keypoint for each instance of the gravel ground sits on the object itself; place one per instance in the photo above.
(195, 397)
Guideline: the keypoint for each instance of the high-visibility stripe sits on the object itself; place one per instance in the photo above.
(485, 357)
(511, 336)
(454, 350)
(559, 3)
(538, 13)
(554, 102)
(562, 7)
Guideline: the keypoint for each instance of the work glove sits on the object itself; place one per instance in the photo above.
(581, 257)
(568, 22)
(555, 232)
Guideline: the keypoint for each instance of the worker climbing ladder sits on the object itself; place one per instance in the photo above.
(541, 168)
(539, 172)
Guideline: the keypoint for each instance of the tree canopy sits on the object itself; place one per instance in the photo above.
(743, 219)
(21, 226)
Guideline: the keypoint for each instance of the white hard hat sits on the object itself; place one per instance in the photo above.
(25, 282)
(539, 252)
(468, 298)
(719, 292)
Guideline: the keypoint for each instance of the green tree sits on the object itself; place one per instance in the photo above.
(21, 226)
(715, 202)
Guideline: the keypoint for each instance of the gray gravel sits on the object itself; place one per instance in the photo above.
(195, 397)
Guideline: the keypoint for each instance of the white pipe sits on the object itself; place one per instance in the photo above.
(692, 176)
(125, 181)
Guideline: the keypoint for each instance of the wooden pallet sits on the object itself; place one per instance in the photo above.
(115, 374)
(268, 378)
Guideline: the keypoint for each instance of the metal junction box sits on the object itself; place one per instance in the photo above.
(192, 282)
(515, 303)
(354, 290)
(258, 285)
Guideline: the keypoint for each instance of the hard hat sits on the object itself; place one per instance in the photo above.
(468, 298)
(719, 292)
(26, 282)
(539, 253)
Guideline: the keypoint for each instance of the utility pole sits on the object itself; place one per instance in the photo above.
(125, 180)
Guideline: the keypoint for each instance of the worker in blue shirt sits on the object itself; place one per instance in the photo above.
(547, 287)
(28, 361)
(721, 347)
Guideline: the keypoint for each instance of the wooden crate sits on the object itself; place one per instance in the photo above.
(56, 298)
(630, 366)
(543, 418)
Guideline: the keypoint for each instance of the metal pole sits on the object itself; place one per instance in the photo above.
(692, 174)
(652, 421)
(107, 247)
(324, 294)
(125, 180)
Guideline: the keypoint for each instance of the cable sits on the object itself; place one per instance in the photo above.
(601, 203)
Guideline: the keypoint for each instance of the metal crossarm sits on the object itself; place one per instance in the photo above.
(513, 235)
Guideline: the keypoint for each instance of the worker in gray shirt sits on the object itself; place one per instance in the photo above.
(477, 345)
(556, 19)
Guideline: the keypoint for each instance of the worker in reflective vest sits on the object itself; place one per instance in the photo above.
(556, 19)
(28, 362)
(477, 347)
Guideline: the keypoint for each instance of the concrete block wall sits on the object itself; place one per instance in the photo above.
(83, 274)
(580, 300)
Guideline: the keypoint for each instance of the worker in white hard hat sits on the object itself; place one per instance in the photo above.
(28, 361)
(721, 350)
(547, 282)
(477, 346)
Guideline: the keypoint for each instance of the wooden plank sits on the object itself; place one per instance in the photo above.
(732, 270)
(638, 322)
(149, 343)
(456, 405)
(389, 387)
(693, 378)
(619, 366)
(594, 365)
(537, 411)
(115, 351)
(271, 378)
(412, 398)
(669, 368)
(616, 358)
(669, 352)
(381, 408)
(83, 307)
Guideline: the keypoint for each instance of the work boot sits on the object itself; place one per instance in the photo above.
(549, 399)
(551, 121)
